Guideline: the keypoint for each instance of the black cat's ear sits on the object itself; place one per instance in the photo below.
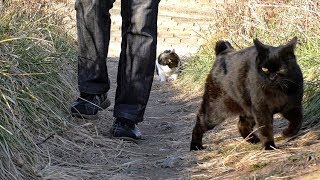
(261, 48)
(293, 42)
(173, 51)
(222, 46)
(290, 46)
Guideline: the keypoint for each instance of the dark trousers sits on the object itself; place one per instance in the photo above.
(137, 58)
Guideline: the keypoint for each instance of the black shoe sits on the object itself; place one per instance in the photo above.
(124, 128)
(88, 105)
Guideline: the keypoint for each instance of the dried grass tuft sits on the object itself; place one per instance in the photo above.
(38, 137)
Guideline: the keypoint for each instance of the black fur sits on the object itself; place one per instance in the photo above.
(222, 47)
(223, 65)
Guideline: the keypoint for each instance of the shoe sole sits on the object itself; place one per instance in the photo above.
(105, 104)
(127, 139)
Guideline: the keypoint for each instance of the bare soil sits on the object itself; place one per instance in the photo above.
(164, 150)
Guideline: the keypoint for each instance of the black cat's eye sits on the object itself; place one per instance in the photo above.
(282, 72)
(266, 70)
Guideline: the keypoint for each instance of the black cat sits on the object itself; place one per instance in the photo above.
(253, 83)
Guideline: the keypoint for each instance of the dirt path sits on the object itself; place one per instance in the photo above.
(164, 151)
(86, 150)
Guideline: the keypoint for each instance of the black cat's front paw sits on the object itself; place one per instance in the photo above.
(253, 139)
(289, 132)
(196, 147)
(269, 146)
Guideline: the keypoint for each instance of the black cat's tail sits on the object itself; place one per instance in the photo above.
(222, 47)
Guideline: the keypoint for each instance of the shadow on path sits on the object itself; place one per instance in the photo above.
(164, 150)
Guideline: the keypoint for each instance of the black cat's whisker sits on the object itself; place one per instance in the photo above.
(285, 87)
(264, 86)
(288, 80)
(283, 84)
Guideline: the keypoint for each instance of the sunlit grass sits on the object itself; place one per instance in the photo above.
(35, 83)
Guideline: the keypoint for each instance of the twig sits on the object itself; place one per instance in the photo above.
(43, 141)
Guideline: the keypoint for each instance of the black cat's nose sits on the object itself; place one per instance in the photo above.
(273, 76)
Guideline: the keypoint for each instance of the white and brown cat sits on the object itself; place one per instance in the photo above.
(168, 66)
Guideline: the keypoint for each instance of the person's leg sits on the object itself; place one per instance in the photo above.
(137, 58)
(93, 28)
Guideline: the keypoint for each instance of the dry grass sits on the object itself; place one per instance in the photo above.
(229, 156)
(38, 137)
(273, 22)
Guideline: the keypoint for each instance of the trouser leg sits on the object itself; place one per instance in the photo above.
(137, 58)
(93, 29)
